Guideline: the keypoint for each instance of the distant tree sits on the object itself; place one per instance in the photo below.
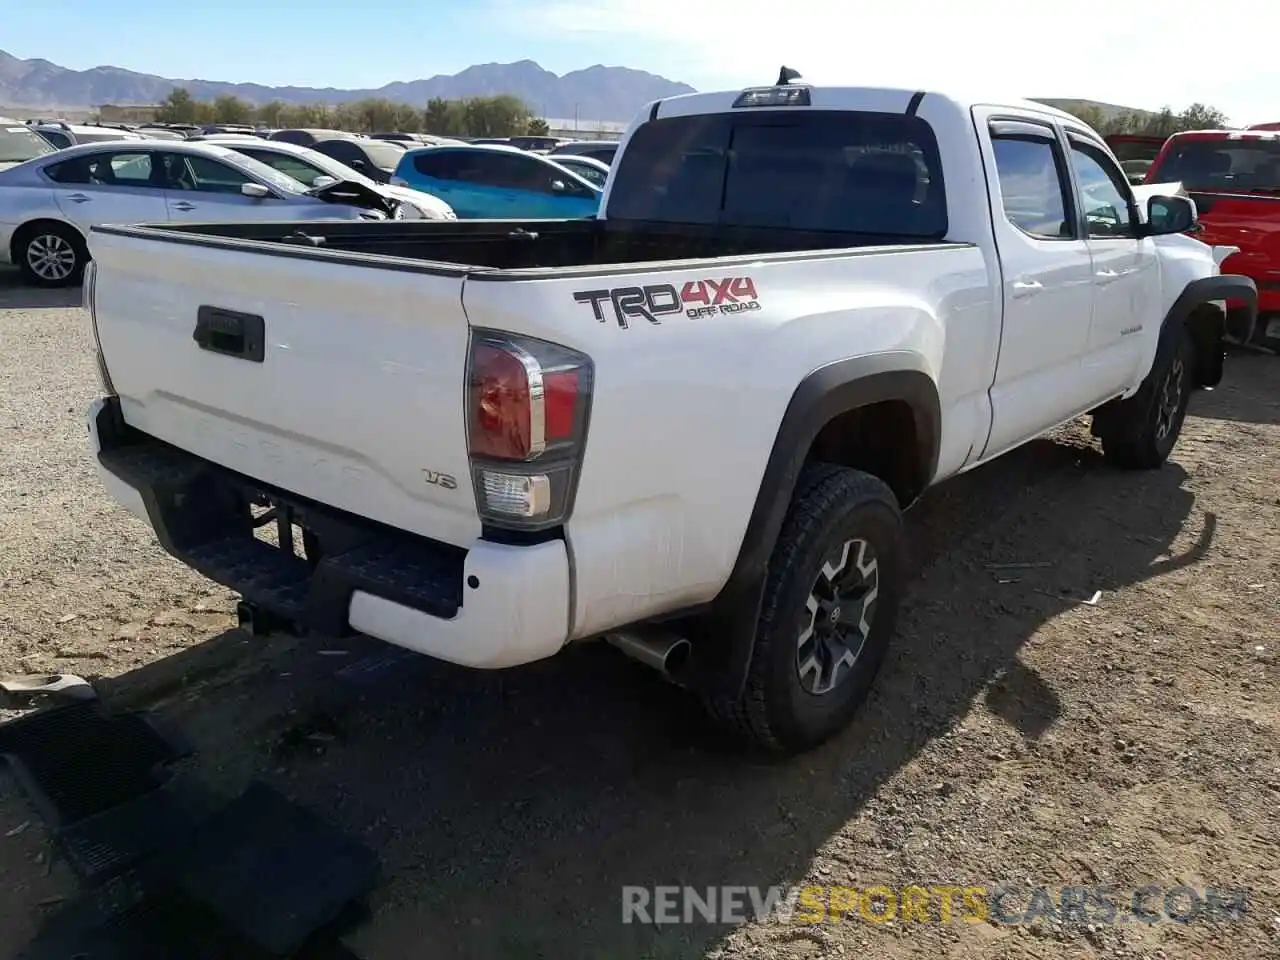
(440, 117)
(177, 107)
(1161, 123)
(231, 109)
(270, 113)
(538, 127)
(1198, 116)
(500, 116)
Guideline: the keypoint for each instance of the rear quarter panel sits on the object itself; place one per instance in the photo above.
(685, 410)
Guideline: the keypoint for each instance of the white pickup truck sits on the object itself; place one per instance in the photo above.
(688, 426)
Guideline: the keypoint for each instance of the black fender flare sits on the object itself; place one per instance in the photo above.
(1239, 325)
(727, 632)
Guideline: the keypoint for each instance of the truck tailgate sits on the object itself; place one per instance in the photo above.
(354, 400)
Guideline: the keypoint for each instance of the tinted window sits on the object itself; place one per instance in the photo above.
(114, 169)
(1033, 186)
(823, 170)
(17, 144)
(59, 140)
(1240, 166)
(342, 150)
(1104, 193)
(443, 165)
(603, 154)
(290, 166)
(205, 175)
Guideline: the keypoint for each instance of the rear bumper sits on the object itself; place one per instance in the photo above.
(488, 606)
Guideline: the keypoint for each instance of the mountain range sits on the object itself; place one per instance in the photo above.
(596, 93)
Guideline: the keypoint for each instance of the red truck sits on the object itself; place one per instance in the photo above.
(1234, 178)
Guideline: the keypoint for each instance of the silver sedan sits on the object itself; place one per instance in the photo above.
(48, 204)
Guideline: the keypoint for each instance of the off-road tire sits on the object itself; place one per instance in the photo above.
(47, 232)
(831, 506)
(1141, 432)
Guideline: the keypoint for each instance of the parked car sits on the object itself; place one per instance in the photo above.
(496, 182)
(48, 204)
(20, 143)
(306, 137)
(313, 169)
(592, 171)
(1234, 178)
(376, 159)
(536, 144)
(63, 135)
(602, 150)
(688, 427)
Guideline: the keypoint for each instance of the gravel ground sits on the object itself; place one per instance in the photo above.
(1017, 735)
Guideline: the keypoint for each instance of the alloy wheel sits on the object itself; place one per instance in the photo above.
(838, 617)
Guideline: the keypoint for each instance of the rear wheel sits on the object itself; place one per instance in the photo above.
(51, 255)
(829, 611)
(1140, 433)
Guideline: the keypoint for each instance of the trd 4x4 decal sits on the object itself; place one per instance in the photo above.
(697, 298)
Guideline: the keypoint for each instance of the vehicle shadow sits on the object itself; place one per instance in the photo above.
(510, 809)
(1249, 392)
(16, 295)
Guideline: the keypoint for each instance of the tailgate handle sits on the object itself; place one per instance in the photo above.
(239, 335)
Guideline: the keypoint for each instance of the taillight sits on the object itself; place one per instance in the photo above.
(527, 407)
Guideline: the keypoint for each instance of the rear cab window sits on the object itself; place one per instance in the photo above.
(824, 170)
(1221, 163)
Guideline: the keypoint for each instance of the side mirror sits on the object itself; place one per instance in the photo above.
(1168, 215)
(255, 190)
(559, 186)
(319, 183)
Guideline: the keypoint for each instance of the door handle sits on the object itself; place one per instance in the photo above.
(1106, 276)
(79, 198)
(184, 206)
(1026, 288)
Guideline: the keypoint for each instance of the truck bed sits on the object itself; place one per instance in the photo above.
(459, 246)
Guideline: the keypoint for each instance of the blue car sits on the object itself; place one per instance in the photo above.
(494, 182)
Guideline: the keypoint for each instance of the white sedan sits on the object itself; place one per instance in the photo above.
(48, 204)
(311, 167)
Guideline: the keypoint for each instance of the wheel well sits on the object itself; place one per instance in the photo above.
(1206, 324)
(881, 439)
(31, 226)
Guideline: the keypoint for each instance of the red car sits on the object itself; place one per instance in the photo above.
(1234, 178)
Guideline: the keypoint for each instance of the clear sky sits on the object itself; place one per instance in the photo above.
(1138, 54)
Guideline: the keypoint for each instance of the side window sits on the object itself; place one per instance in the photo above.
(441, 166)
(303, 172)
(204, 175)
(104, 170)
(126, 169)
(541, 177)
(74, 171)
(59, 140)
(1033, 186)
(341, 150)
(488, 169)
(1104, 193)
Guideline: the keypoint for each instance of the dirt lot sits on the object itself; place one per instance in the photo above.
(1018, 734)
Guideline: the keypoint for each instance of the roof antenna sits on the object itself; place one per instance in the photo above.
(786, 75)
